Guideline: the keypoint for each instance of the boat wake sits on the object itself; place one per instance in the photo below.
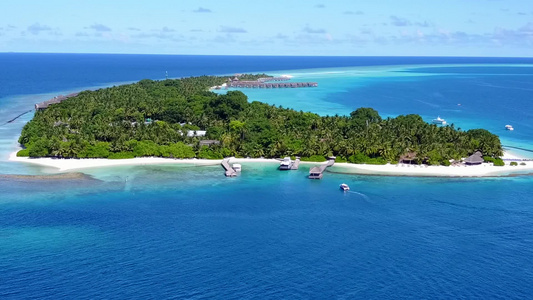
(360, 194)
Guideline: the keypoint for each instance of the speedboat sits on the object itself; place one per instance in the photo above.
(344, 187)
(439, 121)
(509, 127)
(237, 167)
(286, 164)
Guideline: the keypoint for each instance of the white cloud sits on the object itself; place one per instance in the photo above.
(308, 29)
(228, 29)
(202, 10)
(99, 27)
(37, 28)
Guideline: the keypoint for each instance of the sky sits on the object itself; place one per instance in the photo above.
(289, 27)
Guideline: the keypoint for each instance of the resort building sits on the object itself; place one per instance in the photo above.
(193, 133)
(209, 143)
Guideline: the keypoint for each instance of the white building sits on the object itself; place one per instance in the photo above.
(192, 133)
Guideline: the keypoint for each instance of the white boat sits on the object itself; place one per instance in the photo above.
(439, 121)
(344, 187)
(286, 164)
(509, 127)
(237, 167)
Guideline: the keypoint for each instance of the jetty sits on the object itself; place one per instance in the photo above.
(269, 85)
(56, 99)
(229, 171)
(18, 116)
(295, 164)
(317, 172)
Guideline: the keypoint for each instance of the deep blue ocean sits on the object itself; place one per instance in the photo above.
(184, 232)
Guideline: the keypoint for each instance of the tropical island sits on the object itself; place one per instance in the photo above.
(181, 118)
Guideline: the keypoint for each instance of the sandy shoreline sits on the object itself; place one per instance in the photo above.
(483, 170)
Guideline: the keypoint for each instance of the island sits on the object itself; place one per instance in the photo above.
(183, 119)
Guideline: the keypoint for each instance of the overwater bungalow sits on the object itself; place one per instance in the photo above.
(315, 173)
(56, 99)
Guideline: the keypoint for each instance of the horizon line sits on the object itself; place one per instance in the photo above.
(265, 55)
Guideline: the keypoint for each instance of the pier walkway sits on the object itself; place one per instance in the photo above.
(269, 85)
(230, 172)
(295, 164)
(316, 172)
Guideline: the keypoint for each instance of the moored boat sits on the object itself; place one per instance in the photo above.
(439, 121)
(286, 164)
(344, 187)
(509, 127)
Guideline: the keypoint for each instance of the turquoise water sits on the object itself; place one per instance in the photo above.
(189, 232)
(471, 96)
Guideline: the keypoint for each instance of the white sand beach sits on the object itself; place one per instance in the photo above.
(483, 170)
(76, 164)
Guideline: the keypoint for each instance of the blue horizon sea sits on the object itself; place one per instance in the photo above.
(185, 232)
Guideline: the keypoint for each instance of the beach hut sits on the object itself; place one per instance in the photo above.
(474, 159)
(408, 158)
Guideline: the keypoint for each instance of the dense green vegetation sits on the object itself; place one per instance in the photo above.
(152, 118)
(495, 160)
(252, 77)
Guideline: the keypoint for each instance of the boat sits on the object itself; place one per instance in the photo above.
(344, 187)
(286, 164)
(439, 121)
(237, 167)
(509, 127)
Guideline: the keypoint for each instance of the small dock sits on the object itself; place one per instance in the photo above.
(317, 172)
(229, 171)
(295, 164)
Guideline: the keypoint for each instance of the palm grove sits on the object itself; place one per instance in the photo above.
(152, 118)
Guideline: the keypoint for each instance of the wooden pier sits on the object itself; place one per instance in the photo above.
(230, 172)
(317, 172)
(269, 85)
(295, 164)
(57, 99)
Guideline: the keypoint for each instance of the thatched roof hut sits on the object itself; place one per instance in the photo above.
(474, 159)
(408, 158)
